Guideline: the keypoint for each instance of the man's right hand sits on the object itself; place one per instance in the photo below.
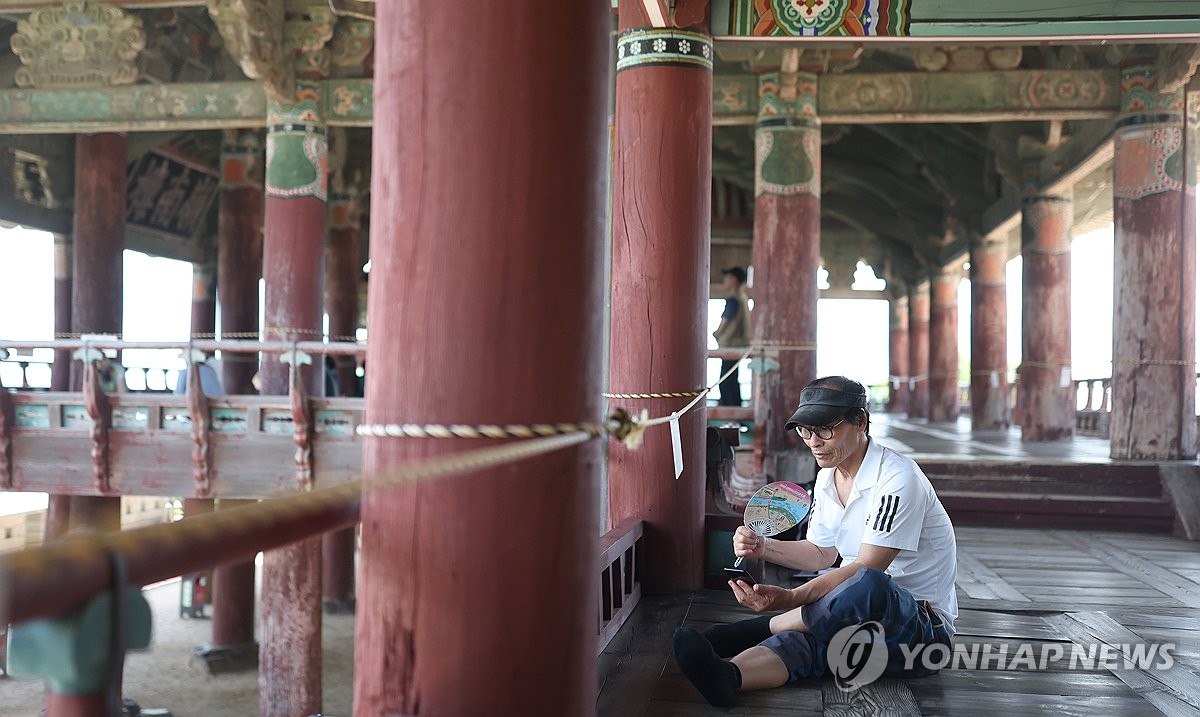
(748, 544)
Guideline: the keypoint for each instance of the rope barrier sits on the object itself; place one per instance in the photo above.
(1045, 364)
(677, 394)
(626, 428)
(642, 422)
(783, 346)
(413, 430)
(161, 551)
(469, 461)
(1153, 362)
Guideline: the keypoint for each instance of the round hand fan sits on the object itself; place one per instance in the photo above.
(776, 507)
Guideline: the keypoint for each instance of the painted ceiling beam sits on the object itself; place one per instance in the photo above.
(870, 98)
(1059, 170)
(850, 99)
(173, 107)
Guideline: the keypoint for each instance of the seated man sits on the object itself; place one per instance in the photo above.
(210, 381)
(877, 510)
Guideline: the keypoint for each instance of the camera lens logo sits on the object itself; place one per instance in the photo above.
(857, 655)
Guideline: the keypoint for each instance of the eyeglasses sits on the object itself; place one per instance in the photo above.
(822, 432)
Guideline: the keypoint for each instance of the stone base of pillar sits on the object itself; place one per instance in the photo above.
(795, 467)
(339, 607)
(225, 659)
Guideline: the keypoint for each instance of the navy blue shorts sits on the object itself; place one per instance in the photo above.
(868, 595)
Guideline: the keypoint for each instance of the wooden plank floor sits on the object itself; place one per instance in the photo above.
(1036, 587)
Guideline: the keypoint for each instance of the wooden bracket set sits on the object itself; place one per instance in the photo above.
(201, 423)
(95, 401)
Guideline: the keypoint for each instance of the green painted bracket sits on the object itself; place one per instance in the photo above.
(71, 652)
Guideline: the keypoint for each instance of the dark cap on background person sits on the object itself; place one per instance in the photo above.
(736, 272)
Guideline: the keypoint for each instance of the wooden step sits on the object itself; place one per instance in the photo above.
(1058, 511)
(1134, 485)
(1091, 496)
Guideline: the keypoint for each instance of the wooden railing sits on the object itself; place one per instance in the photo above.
(620, 578)
(82, 563)
(150, 444)
(187, 445)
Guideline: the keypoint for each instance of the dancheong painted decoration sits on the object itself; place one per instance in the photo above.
(858, 18)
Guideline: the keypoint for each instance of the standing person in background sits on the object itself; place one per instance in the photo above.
(734, 331)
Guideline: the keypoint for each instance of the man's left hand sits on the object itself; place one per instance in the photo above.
(762, 597)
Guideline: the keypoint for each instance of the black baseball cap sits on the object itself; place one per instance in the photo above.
(737, 272)
(820, 406)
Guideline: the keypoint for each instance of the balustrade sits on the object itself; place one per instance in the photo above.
(156, 443)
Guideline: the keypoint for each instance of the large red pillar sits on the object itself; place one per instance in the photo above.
(1047, 395)
(487, 259)
(239, 266)
(918, 351)
(661, 217)
(898, 355)
(786, 255)
(58, 510)
(240, 251)
(989, 335)
(1154, 299)
(943, 346)
(342, 274)
(294, 273)
(204, 299)
(99, 235)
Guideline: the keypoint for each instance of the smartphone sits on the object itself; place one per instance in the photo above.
(739, 574)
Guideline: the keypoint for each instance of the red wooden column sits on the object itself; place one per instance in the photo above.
(342, 273)
(204, 298)
(661, 216)
(343, 279)
(99, 234)
(239, 266)
(485, 306)
(1154, 201)
(58, 510)
(989, 335)
(240, 251)
(943, 346)
(294, 273)
(898, 355)
(1047, 396)
(918, 351)
(786, 255)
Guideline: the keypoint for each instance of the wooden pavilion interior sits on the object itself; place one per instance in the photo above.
(530, 532)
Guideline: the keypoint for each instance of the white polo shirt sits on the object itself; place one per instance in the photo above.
(892, 505)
